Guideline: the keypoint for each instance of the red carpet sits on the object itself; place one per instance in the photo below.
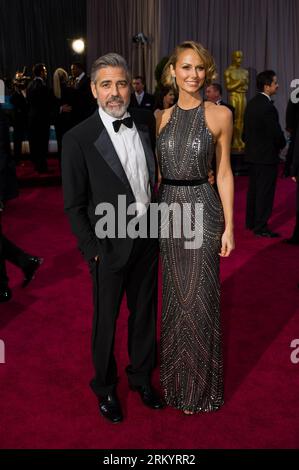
(45, 398)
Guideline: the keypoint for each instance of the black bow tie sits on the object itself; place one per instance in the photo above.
(128, 121)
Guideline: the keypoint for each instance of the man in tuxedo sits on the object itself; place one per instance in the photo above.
(294, 170)
(292, 160)
(39, 108)
(141, 99)
(110, 155)
(84, 103)
(213, 93)
(263, 139)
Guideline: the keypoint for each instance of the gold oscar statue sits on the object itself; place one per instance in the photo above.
(236, 82)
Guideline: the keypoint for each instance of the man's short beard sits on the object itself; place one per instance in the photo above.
(116, 113)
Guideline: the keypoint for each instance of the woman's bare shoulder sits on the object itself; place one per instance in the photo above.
(221, 112)
(162, 118)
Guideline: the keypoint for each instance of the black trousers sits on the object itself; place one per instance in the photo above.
(138, 279)
(12, 253)
(260, 195)
(38, 133)
(296, 228)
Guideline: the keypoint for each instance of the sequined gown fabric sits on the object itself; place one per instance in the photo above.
(191, 355)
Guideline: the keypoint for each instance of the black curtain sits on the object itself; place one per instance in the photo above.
(34, 31)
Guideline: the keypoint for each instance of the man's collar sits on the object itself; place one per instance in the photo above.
(265, 94)
(107, 119)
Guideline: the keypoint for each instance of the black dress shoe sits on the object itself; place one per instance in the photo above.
(33, 264)
(110, 408)
(267, 234)
(5, 294)
(291, 241)
(149, 396)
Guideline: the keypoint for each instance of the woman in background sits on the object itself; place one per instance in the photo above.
(165, 98)
(64, 96)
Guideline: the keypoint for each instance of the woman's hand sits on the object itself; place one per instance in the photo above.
(227, 243)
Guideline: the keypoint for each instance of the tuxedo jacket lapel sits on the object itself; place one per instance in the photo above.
(105, 147)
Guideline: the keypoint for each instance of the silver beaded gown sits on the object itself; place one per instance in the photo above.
(191, 355)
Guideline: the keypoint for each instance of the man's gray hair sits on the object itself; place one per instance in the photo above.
(109, 60)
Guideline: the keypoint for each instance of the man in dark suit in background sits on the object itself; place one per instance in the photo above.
(39, 109)
(141, 99)
(20, 114)
(293, 127)
(107, 156)
(83, 104)
(263, 139)
(213, 93)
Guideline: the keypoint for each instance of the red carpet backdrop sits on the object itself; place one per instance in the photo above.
(45, 397)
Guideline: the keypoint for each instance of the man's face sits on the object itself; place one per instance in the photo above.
(44, 73)
(112, 90)
(137, 85)
(272, 89)
(75, 71)
(212, 94)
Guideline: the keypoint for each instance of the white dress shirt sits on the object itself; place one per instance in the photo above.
(129, 149)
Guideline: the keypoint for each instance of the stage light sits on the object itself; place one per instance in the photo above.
(78, 46)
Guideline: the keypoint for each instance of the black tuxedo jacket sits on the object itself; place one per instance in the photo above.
(91, 174)
(148, 102)
(40, 102)
(262, 134)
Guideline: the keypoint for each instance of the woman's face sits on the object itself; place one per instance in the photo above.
(168, 99)
(189, 72)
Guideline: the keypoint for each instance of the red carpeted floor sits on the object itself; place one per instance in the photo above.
(45, 398)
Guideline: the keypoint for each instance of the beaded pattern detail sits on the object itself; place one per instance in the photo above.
(191, 354)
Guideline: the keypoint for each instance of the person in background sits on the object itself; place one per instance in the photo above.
(8, 190)
(292, 121)
(83, 104)
(264, 139)
(39, 115)
(165, 98)
(20, 114)
(140, 98)
(213, 93)
(64, 97)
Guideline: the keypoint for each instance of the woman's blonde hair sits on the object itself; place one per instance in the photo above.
(208, 62)
(58, 75)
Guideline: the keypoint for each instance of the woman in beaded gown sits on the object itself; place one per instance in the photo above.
(188, 135)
